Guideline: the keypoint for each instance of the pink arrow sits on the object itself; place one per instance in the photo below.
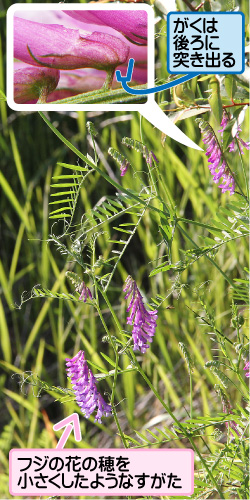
(71, 422)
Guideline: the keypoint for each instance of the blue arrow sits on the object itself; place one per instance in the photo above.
(128, 77)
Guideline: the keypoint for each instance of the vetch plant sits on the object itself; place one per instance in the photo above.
(107, 228)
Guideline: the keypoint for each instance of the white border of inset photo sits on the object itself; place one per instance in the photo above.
(76, 107)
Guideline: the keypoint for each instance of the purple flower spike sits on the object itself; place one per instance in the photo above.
(247, 367)
(218, 166)
(55, 46)
(84, 386)
(34, 83)
(143, 321)
(84, 292)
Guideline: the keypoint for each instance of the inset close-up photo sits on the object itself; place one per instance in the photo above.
(59, 54)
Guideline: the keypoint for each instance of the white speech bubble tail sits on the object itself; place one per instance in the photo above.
(154, 114)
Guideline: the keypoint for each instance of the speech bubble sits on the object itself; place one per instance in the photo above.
(149, 110)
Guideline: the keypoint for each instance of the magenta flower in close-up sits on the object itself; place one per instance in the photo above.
(34, 83)
(247, 369)
(57, 40)
(132, 24)
(84, 385)
(143, 321)
(55, 46)
(218, 166)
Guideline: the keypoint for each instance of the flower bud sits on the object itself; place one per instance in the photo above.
(34, 83)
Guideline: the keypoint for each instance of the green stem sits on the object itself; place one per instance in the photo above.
(243, 383)
(86, 160)
(186, 434)
(207, 257)
(209, 324)
(43, 94)
(116, 320)
(109, 79)
(244, 171)
(116, 368)
(191, 394)
(119, 428)
(103, 96)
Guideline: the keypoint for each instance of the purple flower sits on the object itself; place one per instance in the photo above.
(149, 155)
(84, 292)
(233, 146)
(34, 83)
(229, 184)
(143, 321)
(247, 367)
(124, 167)
(155, 159)
(84, 386)
(132, 24)
(55, 46)
(218, 166)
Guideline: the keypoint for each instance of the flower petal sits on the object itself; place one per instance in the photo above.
(132, 24)
(55, 46)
